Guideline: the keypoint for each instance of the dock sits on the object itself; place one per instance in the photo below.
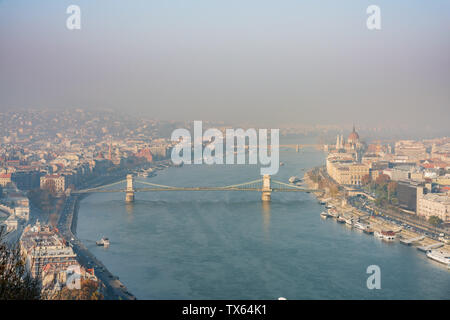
(411, 240)
(431, 246)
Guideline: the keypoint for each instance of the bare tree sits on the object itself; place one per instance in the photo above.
(16, 282)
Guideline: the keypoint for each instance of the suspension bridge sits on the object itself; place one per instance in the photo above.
(264, 185)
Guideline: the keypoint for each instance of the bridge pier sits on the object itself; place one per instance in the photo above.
(129, 194)
(266, 190)
(266, 196)
(129, 197)
(297, 148)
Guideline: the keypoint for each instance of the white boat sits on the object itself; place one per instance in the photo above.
(341, 219)
(349, 221)
(294, 179)
(103, 242)
(385, 235)
(388, 235)
(378, 234)
(333, 213)
(324, 214)
(439, 256)
(360, 226)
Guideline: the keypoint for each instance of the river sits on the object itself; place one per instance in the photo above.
(213, 245)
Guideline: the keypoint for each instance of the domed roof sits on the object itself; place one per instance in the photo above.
(353, 136)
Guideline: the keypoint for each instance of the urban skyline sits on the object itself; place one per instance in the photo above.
(218, 150)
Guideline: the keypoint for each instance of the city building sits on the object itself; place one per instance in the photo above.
(5, 179)
(434, 204)
(53, 180)
(412, 150)
(42, 245)
(407, 195)
(345, 171)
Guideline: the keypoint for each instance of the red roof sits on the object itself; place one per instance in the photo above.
(5, 175)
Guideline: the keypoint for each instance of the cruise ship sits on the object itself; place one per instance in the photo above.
(439, 256)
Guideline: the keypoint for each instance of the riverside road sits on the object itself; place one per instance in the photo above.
(114, 289)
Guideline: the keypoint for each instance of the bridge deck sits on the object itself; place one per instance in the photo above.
(256, 185)
(411, 240)
(195, 189)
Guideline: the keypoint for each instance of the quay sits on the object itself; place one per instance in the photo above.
(405, 234)
(411, 240)
(431, 246)
(113, 288)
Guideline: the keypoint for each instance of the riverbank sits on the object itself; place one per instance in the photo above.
(113, 288)
(404, 233)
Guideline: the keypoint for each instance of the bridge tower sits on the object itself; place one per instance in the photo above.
(129, 195)
(266, 190)
(297, 148)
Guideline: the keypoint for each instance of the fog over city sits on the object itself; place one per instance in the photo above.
(222, 155)
(293, 62)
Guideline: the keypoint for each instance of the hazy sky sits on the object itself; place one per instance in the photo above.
(278, 61)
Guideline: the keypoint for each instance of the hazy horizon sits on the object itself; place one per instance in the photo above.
(262, 61)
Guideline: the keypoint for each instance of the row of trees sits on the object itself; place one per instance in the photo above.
(386, 192)
(435, 221)
(384, 189)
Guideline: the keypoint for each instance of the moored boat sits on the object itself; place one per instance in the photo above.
(388, 235)
(385, 235)
(439, 256)
(341, 220)
(294, 179)
(349, 221)
(378, 234)
(324, 214)
(333, 213)
(360, 226)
